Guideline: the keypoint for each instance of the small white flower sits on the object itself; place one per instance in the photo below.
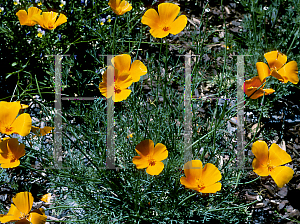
(40, 32)
(207, 10)
(266, 8)
(16, 2)
(1, 9)
(62, 3)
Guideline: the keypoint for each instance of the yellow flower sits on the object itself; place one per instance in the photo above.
(20, 211)
(48, 20)
(150, 156)
(123, 64)
(117, 89)
(251, 86)
(204, 180)
(11, 152)
(277, 68)
(164, 22)
(130, 135)
(39, 4)
(41, 131)
(101, 23)
(268, 162)
(46, 198)
(119, 7)
(26, 19)
(9, 123)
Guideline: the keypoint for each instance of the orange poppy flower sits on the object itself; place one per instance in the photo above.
(46, 198)
(41, 131)
(25, 19)
(150, 156)
(277, 68)
(48, 20)
(119, 7)
(251, 86)
(11, 152)
(118, 89)
(204, 180)
(20, 211)
(123, 64)
(164, 22)
(268, 162)
(9, 123)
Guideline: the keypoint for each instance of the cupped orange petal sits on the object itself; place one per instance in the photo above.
(155, 169)
(123, 80)
(119, 7)
(160, 152)
(289, 72)
(122, 62)
(263, 71)
(260, 151)
(8, 113)
(23, 201)
(168, 12)
(275, 59)
(61, 19)
(282, 175)
(210, 175)
(193, 170)
(251, 88)
(278, 156)
(37, 216)
(137, 70)
(46, 198)
(159, 32)
(125, 7)
(13, 215)
(145, 147)
(260, 169)
(178, 25)
(212, 188)
(151, 19)
(22, 125)
(122, 95)
(23, 17)
(189, 183)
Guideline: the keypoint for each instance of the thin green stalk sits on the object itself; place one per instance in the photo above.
(114, 37)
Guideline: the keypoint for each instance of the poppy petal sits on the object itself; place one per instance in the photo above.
(23, 201)
(36, 218)
(290, 72)
(160, 152)
(260, 150)
(193, 169)
(22, 125)
(9, 164)
(282, 175)
(278, 156)
(262, 70)
(144, 148)
(210, 174)
(275, 59)
(61, 19)
(8, 112)
(32, 11)
(123, 80)
(123, 95)
(155, 169)
(159, 33)
(122, 62)
(212, 188)
(16, 148)
(12, 215)
(151, 19)
(125, 7)
(260, 169)
(140, 161)
(22, 15)
(189, 183)
(137, 70)
(178, 25)
(167, 13)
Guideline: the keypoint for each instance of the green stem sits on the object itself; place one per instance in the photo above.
(114, 37)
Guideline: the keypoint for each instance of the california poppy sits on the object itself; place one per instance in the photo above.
(123, 64)
(119, 7)
(46, 198)
(48, 20)
(26, 19)
(10, 152)
(204, 180)
(10, 123)
(150, 157)
(268, 162)
(164, 22)
(251, 87)
(277, 68)
(20, 211)
(41, 131)
(117, 89)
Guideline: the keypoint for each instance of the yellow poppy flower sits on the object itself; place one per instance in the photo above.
(20, 211)
(268, 162)
(204, 180)
(150, 156)
(164, 22)
(41, 131)
(119, 87)
(119, 7)
(9, 123)
(48, 20)
(123, 64)
(277, 68)
(251, 85)
(46, 198)
(26, 19)
(11, 152)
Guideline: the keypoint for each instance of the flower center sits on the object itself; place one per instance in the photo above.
(200, 185)
(8, 129)
(151, 162)
(166, 28)
(117, 89)
(270, 168)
